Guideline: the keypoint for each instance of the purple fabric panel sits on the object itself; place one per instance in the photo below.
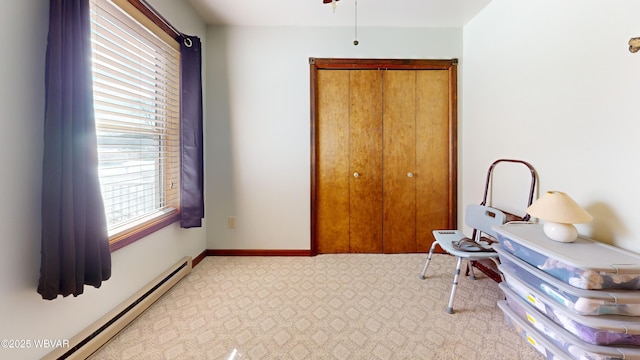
(75, 244)
(191, 137)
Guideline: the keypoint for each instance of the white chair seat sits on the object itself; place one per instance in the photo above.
(446, 239)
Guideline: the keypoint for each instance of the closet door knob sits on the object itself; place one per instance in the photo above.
(409, 174)
(355, 174)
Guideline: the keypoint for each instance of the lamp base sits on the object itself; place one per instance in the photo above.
(560, 232)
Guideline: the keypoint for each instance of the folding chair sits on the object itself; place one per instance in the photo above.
(479, 217)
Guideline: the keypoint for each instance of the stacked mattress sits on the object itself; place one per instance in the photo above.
(577, 300)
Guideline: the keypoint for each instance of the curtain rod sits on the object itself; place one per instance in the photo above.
(148, 10)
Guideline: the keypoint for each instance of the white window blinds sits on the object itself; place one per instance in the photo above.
(137, 108)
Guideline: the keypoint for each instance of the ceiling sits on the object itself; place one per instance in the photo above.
(379, 13)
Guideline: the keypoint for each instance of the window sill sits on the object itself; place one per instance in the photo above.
(123, 239)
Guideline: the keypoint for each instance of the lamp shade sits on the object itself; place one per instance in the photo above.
(559, 207)
(560, 213)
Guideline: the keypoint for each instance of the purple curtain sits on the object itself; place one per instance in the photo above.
(75, 244)
(192, 176)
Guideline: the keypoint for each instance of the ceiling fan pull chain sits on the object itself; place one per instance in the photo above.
(355, 26)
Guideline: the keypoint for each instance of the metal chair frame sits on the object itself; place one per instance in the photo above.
(479, 217)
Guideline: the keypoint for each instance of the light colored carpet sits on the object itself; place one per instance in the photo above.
(345, 306)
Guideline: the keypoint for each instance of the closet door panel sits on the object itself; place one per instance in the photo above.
(365, 229)
(333, 162)
(396, 130)
(399, 113)
(432, 123)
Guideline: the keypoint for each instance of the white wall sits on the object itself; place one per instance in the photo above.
(547, 81)
(23, 314)
(258, 138)
(552, 82)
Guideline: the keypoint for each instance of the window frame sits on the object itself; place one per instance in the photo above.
(149, 18)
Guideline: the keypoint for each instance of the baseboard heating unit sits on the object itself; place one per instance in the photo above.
(97, 334)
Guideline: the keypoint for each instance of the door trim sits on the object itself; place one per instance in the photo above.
(392, 64)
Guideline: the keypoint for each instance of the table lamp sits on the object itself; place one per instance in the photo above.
(560, 212)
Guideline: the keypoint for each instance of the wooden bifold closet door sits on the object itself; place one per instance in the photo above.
(383, 156)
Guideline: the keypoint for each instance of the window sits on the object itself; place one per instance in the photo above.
(136, 88)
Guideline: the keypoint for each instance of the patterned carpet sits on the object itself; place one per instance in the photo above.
(346, 306)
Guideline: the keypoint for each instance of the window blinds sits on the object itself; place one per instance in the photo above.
(137, 109)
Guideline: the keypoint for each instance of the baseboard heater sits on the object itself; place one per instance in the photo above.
(97, 334)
